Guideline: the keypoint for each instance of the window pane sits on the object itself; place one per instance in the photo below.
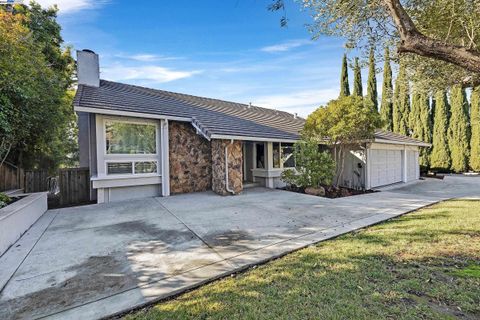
(276, 155)
(130, 138)
(146, 167)
(119, 168)
(260, 155)
(287, 155)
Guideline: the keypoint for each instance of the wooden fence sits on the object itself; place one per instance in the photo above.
(74, 184)
(11, 177)
(67, 187)
(36, 181)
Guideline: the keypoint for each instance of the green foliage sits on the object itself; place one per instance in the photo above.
(372, 96)
(440, 156)
(343, 125)
(366, 23)
(4, 200)
(458, 130)
(344, 85)
(475, 129)
(357, 80)
(386, 107)
(419, 123)
(401, 102)
(312, 166)
(37, 119)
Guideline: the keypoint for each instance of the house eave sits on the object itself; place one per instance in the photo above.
(251, 138)
(130, 114)
(418, 144)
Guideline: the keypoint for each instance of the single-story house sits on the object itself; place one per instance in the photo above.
(141, 142)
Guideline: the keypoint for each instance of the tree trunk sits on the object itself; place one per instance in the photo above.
(411, 40)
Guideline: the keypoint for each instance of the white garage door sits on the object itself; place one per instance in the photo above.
(385, 167)
(412, 165)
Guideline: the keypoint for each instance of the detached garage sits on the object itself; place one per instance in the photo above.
(392, 158)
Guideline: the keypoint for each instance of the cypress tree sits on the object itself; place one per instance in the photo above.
(357, 80)
(372, 96)
(420, 123)
(458, 130)
(475, 127)
(387, 94)
(401, 102)
(440, 156)
(344, 85)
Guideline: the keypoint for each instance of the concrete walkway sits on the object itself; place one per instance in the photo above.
(94, 261)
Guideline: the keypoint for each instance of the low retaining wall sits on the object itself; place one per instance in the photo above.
(18, 217)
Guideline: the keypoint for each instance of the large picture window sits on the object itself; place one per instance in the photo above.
(130, 138)
(130, 147)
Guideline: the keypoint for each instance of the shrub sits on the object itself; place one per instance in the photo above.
(312, 166)
(4, 200)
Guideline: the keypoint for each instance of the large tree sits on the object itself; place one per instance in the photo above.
(386, 106)
(458, 129)
(401, 102)
(433, 30)
(357, 79)
(343, 124)
(344, 85)
(475, 127)
(38, 122)
(440, 156)
(372, 96)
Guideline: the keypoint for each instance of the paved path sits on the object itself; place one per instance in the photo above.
(94, 261)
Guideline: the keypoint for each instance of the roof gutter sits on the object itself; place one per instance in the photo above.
(130, 114)
(251, 138)
(419, 144)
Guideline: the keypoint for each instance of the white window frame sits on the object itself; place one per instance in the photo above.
(104, 158)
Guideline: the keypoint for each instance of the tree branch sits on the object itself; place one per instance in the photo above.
(413, 41)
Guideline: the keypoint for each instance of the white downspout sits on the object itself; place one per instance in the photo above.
(226, 169)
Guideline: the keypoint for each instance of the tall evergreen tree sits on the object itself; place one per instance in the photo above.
(372, 96)
(440, 156)
(387, 94)
(420, 123)
(401, 102)
(475, 127)
(357, 80)
(458, 129)
(344, 85)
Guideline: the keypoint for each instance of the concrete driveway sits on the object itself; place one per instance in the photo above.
(94, 261)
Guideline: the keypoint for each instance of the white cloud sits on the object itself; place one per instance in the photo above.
(301, 102)
(149, 73)
(286, 46)
(69, 6)
(146, 57)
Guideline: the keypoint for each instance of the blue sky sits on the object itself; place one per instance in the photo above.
(227, 49)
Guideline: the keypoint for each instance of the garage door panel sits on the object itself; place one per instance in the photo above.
(386, 167)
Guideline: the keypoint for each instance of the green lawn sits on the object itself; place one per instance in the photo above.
(424, 265)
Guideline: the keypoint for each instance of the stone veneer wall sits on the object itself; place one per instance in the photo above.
(190, 159)
(235, 163)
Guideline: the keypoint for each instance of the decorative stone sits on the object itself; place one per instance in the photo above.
(190, 159)
(320, 191)
(235, 163)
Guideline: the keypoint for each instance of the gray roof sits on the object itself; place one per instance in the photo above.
(391, 137)
(211, 116)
